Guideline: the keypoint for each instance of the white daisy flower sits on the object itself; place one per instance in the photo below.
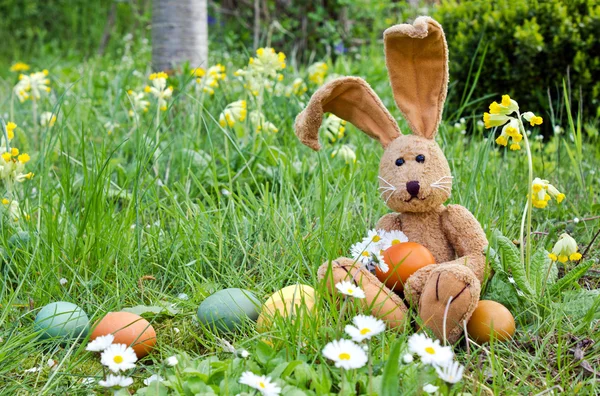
(63, 281)
(100, 343)
(429, 388)
(261, 383)
(362, 252)
(364, 327)
(350, 289)
(116, 381)
(380, 263)
(244, 354)
(373, 236)
(172, 361)
(153, 378)
(346, 354)
(118, 357)
(430, 351)
(408, 358)
(391, 238)
(33, 370)
(452, 372)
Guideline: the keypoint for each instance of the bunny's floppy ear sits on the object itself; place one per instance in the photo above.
(353, 100)
(417, 62)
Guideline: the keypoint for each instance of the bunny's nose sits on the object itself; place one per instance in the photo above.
(413, 188)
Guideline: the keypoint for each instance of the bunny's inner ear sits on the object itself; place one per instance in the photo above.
(353, 100)
(417, 62)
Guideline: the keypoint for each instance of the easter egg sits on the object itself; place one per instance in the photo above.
(20, 239)
(129, 329)
(62, 319)
(488, 317)
(287, 302)
(228, 308)
(403, 259)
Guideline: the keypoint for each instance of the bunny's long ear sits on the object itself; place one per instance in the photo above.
(353, 100)
(417, 62)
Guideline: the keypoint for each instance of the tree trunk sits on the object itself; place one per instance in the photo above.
(179, 34)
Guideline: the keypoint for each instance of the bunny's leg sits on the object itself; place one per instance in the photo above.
(380, 301)
(449, 297)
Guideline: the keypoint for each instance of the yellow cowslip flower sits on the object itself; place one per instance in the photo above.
(565, 249)
(317, 72)
(14, 151)
(198, 72)
(19, 67)
(345, 152)
(494, 120)
(47, 119)
(532, 118)
(159, 89)
(267, 62)
(297, 88)
(23, 158)
(32, 86)
(234, 112)
(334, 127)
(10, 130)
(5, 201)
(6, 156)
(543, 191)
(210, 79)
(261, 124)
(139, 103)
(510, 131)
(506, 107)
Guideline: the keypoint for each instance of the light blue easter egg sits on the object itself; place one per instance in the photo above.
(62, 319)
(228, 308)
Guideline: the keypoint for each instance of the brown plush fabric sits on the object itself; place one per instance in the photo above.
(417, 62)
(353, 100)
(380, 300)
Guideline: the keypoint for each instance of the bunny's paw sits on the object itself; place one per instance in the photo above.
(454, 288)
(379, 300)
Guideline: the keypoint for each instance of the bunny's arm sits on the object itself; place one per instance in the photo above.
(389, 222)
(466, 237)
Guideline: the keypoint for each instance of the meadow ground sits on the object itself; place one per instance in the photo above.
(127, 222)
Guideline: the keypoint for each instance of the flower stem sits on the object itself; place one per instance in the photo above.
(526, 250)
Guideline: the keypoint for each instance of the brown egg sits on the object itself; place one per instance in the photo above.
(129, 329)
(488, 317)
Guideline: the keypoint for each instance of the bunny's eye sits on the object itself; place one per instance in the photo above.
(420, 158)
(400, 162)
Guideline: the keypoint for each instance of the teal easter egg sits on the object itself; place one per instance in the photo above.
(228, 308)
(62, 319)
(20, 239)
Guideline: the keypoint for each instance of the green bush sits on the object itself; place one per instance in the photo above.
(531, 47)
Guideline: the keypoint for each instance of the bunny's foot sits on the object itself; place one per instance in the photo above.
(453, 288)
(381, 301)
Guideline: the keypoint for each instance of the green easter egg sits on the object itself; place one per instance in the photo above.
(19, 239)
(62, 319)
(228, 308)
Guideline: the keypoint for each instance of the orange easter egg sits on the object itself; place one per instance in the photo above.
(403, 259)
(129, 329)
(491, 316)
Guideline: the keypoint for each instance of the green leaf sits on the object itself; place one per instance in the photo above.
(571, 277)
(543, 271)
(502, 291)
(512, 260)
(389, 382)
(264, 352)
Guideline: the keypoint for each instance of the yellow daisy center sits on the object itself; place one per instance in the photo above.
(365, 253)
(376, 238)
(350, 291)
(395, 241)
(118, 359)
(430, 350)
(261, 384)
(344, 356)
(365, 331)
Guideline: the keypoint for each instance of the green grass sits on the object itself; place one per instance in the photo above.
(259, 212)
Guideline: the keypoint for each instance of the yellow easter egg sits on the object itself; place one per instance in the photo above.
(288, 303)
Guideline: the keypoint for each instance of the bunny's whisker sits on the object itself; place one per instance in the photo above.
(386, 182)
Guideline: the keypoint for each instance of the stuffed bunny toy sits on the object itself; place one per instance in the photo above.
(415, 180)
